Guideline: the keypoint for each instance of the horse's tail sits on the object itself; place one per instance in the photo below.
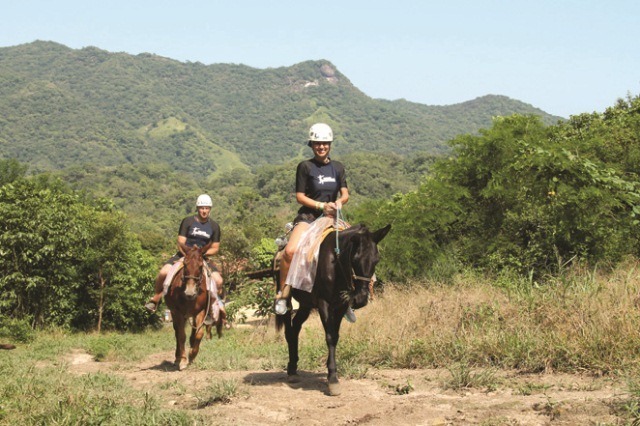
(281, 320)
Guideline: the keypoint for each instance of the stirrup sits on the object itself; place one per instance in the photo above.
(151, 306)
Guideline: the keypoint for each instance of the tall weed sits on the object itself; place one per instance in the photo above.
(582, 319)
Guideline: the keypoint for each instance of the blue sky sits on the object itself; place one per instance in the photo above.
(563, 56)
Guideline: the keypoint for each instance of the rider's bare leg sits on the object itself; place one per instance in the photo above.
(159, 284)
(285, 261)
(218, 297)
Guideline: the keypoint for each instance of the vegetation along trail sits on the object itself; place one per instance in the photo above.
(477, 355)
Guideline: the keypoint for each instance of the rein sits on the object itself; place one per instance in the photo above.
(339, 218)
(335, 225)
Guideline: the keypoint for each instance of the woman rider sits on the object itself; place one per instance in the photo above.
(321, 188)
(194, 230)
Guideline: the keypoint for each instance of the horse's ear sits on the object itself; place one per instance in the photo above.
(380, 233)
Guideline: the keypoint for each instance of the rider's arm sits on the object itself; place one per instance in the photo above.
(182, 244)
(213, 249)
(301, 198)
(343, 194)
(343, 198)
(328, 209)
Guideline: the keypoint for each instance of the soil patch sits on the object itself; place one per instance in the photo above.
(382, 397)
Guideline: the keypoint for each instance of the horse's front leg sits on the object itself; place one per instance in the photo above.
(196, 337)
(292, 334)
(331, 323)
(181, 337)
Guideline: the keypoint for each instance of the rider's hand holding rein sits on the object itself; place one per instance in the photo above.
(330, 209)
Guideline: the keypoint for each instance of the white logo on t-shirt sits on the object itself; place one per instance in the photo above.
(322, 179)
(197, 231)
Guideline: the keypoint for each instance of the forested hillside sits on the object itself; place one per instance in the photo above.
(61, 107)
(102, 154)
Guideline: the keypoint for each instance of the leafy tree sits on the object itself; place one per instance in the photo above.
(424, 222)
(534, 202)
(43, 240)
(11, 170)
(118, 274)
(519, 195)
(64, 262)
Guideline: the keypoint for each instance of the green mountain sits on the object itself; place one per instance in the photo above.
(61, 107)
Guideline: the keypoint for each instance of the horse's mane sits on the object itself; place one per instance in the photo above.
(354, 229)
(346, 236)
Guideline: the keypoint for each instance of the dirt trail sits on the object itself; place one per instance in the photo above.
(383, 397)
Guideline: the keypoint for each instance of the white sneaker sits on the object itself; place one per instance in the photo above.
(281, 306)
(350, 315)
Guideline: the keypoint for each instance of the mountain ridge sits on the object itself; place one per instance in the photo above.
(62, 107)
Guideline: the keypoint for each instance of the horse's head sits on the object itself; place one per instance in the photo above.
(193, 271)
(364, 257)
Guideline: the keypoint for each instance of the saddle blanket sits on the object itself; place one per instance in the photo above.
(302, 272)
(176, 267)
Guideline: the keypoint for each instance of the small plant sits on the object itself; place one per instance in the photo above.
(404, 389)
(100, 349)
(630, 407)
(175, 385)
(258, 294)
(549, 408)
(531, 388)
(462, 377)
(150, 403)
(17, 330)
(219, 393)
(352, 369)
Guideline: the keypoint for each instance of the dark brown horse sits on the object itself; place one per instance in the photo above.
(188, 298)
(346, 265)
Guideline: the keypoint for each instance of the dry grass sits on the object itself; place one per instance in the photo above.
(581, 320)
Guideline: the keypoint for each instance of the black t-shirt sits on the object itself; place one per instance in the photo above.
(198, 233)
(319, 181)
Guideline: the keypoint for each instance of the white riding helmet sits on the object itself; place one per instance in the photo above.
(204, 201)
(320, 132)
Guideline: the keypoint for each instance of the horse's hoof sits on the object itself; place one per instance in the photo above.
(183, 365)
(293, 378)
(334, 389)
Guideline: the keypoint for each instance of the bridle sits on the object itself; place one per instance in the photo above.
(186, 277)
(353, 275)
(359, 277)
(198, 280)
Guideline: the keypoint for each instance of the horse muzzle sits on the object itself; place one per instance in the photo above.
(190, 295)
(361, 297)
(191, 288)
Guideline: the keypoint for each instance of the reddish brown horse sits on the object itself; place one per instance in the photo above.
(188, 298)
